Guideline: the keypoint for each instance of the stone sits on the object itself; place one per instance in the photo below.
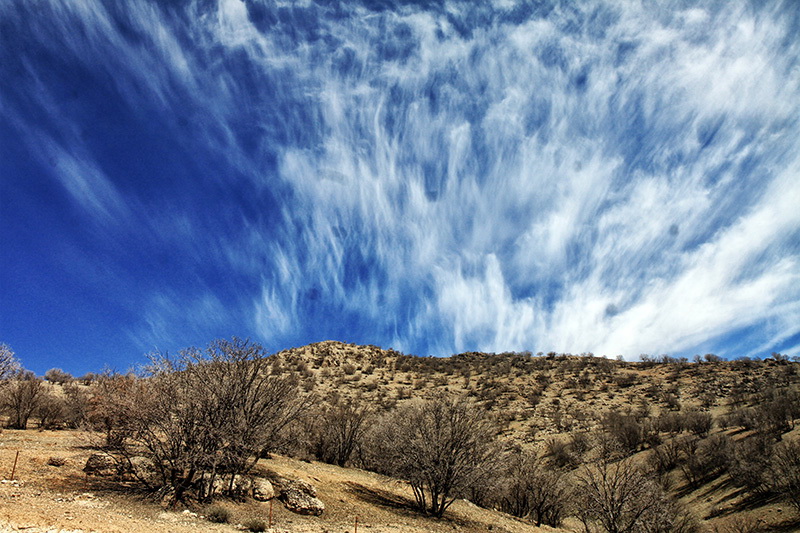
(100, 464)
(263, 490)
(242, 485)
(300, 497)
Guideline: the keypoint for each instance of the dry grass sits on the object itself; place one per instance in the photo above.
(48, 498)
(540, 398)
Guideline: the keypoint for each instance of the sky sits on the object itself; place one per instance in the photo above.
(614, 177)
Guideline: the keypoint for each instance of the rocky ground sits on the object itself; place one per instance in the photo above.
(47, 498)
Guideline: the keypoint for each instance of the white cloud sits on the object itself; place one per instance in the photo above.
(600, 198)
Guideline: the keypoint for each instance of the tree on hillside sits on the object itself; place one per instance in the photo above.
(208, 415)
(532, 490)
(786, 471)
(110, 409)
(441, 446)
(56, 375)
(9, 365)
(339, 428)
(619, 498)
(21, 397)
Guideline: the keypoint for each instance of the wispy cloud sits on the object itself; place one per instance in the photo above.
(606, 177)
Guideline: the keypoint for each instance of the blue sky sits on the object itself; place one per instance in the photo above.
(613, 177)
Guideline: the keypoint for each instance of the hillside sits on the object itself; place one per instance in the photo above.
(715, 437)
(537, 395)
(559, 405)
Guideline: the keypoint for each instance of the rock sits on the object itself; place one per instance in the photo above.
(302, 503)
(100, 464)
(241, 485)
(263, 490)
(140, 467)
(304, 486)
(300, 497)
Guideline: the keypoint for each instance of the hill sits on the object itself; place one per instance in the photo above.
(714, 442)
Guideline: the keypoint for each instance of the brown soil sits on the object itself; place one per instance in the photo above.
(62, 498)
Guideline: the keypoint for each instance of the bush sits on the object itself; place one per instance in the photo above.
(56, 461)
(205, 414)
(256, 525)
(530, 490)
(665, 456)
(338, 431)
(750, 463)
(442, 447)
(9, 364)
(218, 514)
(76, 405)
(625, 429)
(672, 423)
(51, 411)
(21, 397)
(56, 375)
(619, 497)
(707, 459)
(698, 422)
(786, 471)
(561, 453)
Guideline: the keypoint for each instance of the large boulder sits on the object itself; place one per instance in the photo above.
(300, 497)
(262, 490)
(100, 464)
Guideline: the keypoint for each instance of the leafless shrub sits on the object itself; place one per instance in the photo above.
(21, 397)
(740, 524)
(338, 430)
(775, 412)
(56, 375)
(619, 498)
(109, 408)
(786, 471)
(9, 364)
(76, 405)
(699, 423)
(443, 447)
(750, 463)
(529, 489)
(206, 414)
(706, 460)
(625, 429)
(665, 456)
(561, 453)
(50, 411)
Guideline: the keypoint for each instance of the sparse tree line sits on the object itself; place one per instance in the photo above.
(190, 426)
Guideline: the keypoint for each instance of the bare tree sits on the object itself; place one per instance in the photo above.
(442, 447)
(9, 365)
(625, 429)
(56, 375)
(110, 408)
(619, 498)
(786, 471)
(76, 405)
(51, 411)
(532, 490)
(21, 398)
(339, 428)
(206, 414)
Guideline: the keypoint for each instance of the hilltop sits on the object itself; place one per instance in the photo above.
(714, 437)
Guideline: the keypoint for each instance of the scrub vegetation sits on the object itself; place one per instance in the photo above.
(576, 442)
